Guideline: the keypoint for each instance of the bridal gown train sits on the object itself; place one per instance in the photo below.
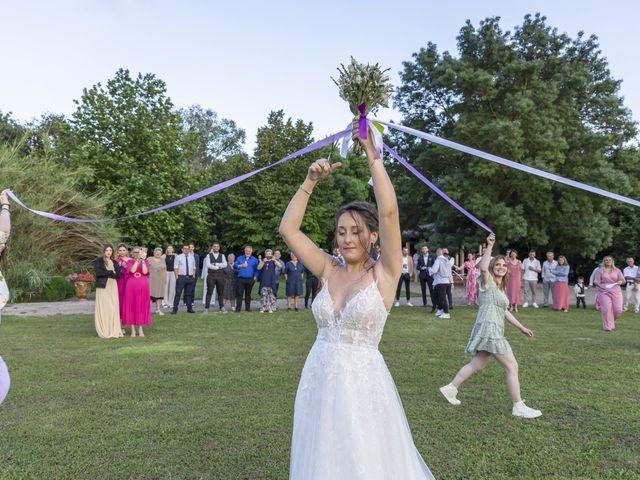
(349, 423)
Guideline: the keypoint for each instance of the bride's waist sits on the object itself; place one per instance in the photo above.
(348, 336)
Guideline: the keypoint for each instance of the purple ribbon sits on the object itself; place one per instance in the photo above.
(424, 180)
(362, 123)
(203, 193)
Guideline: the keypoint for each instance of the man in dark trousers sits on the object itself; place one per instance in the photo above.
(190, 289)
(184, 268)
(213, 271)
(247, 268)
(425, 261)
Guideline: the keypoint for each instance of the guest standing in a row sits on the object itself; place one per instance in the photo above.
(471, 282)
(185, 271)
(277, 255)
(548, 277)
(608, 281)
(424, 263)
(267, 274)
(230, 278)
(247, 268)
(213, 274)
(532, 268)
(441, 271)
(293, 276)
(137, 308)
(170, 287)
(157, 278)
(561, 285)
(311, 287)
(514, 268)
(107, 312)
(630, 273)
(122, 260)
(405, 278)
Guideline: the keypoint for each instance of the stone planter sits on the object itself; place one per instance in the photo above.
(82, 290)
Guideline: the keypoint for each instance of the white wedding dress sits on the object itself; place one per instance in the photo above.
(349, 422)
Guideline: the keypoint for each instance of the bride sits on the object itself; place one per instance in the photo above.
(349, 422)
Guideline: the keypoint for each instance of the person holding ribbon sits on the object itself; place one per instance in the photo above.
(5, 230)
(487, 337)
(608, 280)
(348, 419)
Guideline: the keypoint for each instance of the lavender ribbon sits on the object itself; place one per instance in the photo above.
(424, 180)
(362, 122)
(203, 193)
(512, 164)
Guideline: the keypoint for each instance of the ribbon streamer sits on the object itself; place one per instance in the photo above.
(362, 122)
(511, 163)
(424, 180)
(203, 193)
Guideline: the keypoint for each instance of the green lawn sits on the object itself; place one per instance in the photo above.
(212, 397)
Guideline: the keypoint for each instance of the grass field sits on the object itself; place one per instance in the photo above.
(212, 397)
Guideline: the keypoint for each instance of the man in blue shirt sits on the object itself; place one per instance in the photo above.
(247, 268)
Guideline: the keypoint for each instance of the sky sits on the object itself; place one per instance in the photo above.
(245, 59)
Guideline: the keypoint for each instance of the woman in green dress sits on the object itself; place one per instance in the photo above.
(487, 337)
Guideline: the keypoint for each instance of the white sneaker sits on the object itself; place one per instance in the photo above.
(636, 310)
(521, 410)
(409, 304)
(625, 308)
(396, 304)
(525, 305)
(445, 315)
(535, 305)
(438, 313)
(450, 392)
(206, 311)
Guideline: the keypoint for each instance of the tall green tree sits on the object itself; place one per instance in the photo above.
(534, 96)
(130, 137)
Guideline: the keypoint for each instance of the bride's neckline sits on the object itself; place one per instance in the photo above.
(338, 313)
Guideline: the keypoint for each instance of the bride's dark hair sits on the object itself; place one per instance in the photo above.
(364, 214)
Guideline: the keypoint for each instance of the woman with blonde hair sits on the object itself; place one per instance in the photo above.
(561, 285)
(608, 280)
(107, 304)
(487, 337)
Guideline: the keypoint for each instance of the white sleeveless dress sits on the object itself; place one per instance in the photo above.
(349, 423)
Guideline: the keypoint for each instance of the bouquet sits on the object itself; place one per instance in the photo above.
(365, 88)
(80, 277)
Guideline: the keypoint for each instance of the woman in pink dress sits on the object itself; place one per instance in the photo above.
(471, 285)
(122, 258)
(608, 280)
(137, 296)
(561, 285)
(514, 267)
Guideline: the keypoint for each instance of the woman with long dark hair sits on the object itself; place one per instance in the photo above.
(348, 419)
(107, 305)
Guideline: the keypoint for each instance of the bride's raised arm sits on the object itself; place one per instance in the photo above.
(308, 252)
(390, 239)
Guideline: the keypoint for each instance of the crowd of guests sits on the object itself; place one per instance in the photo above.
(129, 284)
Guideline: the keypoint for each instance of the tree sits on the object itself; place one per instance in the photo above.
(208, 140)
(536, 97)
(129, 136)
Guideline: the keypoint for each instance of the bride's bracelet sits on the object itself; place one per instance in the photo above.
(305, 190)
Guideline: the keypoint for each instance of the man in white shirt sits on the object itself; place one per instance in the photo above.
(532, 268)
(441, 271)
(405, 277)
(184, 268)
(213, 276)
(548, 277)
(630, 273)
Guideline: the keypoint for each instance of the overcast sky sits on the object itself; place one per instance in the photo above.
(244, 59)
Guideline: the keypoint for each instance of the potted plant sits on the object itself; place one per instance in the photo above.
(82, 284)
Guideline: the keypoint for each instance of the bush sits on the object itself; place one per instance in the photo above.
(57, 289)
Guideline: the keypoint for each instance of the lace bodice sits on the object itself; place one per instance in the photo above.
(360, 322)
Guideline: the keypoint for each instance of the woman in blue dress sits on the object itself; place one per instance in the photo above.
(293, 275)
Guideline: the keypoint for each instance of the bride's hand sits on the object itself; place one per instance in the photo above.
(367, 145)
(321, 168)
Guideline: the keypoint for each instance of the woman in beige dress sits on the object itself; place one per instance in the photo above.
(107, 305)
(157, 278)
